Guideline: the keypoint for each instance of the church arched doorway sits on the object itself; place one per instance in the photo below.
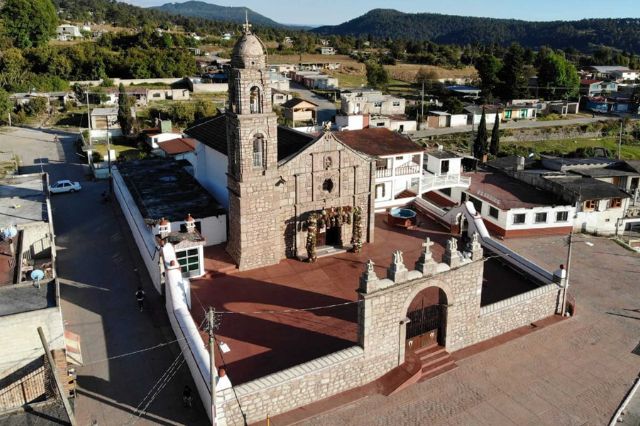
(428, 319)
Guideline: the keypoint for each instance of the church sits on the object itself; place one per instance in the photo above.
(286, 192)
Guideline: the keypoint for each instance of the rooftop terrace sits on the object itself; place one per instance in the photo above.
(266, 342)
(23, 200)
(162, 188)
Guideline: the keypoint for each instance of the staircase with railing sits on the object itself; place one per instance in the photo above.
(431, 182)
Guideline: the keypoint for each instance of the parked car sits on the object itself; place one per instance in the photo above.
(64, 186)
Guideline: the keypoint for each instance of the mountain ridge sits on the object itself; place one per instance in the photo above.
(235, 14)
(621, 33)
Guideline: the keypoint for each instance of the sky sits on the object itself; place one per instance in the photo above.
(331, 12)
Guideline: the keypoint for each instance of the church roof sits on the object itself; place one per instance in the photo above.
(213, 133)
(378, 142)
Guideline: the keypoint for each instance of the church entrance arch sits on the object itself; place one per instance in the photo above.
(428, 319)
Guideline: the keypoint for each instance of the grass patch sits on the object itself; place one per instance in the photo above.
(124, 151)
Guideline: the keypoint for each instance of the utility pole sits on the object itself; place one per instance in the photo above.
(620, 138)
(9, 114)
(422, 106)
(109, 159)
(56, 378)
(88, 116)
(211, 319)
(566, 282)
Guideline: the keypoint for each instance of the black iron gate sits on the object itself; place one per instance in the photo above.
(426, 326)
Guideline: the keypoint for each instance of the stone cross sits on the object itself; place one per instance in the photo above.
(425, 264)
(426, 247)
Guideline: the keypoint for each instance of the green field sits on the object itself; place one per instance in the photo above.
(561, 147)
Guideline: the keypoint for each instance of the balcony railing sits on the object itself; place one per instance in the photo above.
(431, 182)
(382, 172)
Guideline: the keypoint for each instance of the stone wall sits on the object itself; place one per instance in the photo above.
(518, 311)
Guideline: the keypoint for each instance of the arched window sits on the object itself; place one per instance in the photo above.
(255, 100)
(258, 150)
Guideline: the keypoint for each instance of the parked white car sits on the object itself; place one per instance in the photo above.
(64, 186)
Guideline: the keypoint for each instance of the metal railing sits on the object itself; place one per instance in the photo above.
(430, 182)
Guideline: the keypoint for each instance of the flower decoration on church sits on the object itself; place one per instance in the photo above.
(356, 239)
(312, 234)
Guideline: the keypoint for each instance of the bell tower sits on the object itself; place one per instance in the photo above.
(252, 149)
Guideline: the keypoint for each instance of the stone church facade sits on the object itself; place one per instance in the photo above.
(275, 185)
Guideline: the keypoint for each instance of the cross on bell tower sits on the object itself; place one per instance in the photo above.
(246, 25)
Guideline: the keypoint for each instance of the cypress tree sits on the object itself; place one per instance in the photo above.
(480, 144)
(494, 148)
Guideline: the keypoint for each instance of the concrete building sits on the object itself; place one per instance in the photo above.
(178, 149)
(327, 50)
(595, 87)
(103, 121)
(67, 32)
(299, 111)
(371, 102)
(167, 94)
(29, 292)
(614, 72)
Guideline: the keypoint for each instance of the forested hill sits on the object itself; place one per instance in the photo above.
(217, 13)
(622, 34)
(129, 16)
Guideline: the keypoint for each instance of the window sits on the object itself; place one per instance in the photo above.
(541, 217)
(377, 104)
(380, 191)
(189, 261)
(507, 114)
(590, 204)
(396, 103)
(255, 101)
(380, 124)
(446, 191)
(493, 212)
(400, 158)
(562, 216)
(327, 185)
(519, 219)
(476, 203)
(258, 148)
(615, 202)
(444, 166)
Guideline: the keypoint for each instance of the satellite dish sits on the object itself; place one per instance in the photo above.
(37, 275)
(9, 232)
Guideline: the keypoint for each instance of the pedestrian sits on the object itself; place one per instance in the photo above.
(187, 399)
(140, 298)
(55, 139)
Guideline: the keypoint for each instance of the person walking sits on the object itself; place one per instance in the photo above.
(140, 298)
(187, 399)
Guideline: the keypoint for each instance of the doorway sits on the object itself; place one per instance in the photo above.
(334, 236)
(428, 315)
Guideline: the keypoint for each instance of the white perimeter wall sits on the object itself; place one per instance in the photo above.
(142, 234)
(211, 172)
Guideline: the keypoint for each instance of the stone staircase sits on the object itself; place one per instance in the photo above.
(420, 365)
(434, 360)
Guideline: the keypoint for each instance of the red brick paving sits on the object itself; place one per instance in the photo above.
(263, 343)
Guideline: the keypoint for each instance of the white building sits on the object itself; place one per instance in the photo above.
(66, 32)
(164, 204)
(370, 101)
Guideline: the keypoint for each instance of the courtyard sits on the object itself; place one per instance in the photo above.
(266, 320)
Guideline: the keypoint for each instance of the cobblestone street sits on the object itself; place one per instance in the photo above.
(575, 372)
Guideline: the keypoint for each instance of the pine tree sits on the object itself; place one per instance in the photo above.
(494, 148)
(480, 144)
